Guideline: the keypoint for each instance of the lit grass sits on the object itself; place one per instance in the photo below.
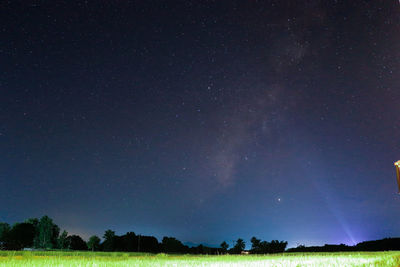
(113, 259)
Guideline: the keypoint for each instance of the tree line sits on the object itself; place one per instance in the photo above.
(373, 245)
(43, 233)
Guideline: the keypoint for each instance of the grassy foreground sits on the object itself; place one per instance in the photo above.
(58, 258)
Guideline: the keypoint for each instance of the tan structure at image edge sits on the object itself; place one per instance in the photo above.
(397, 165)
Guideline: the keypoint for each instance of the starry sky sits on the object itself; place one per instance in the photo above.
(203, 120)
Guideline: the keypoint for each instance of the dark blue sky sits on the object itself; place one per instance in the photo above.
(203, 120)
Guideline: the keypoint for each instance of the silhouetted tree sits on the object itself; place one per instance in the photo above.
(46, 233)
(239, 246)
(4, 232)
(278, 246)
(109, 240)
(76, 243)
(325, 248)
(63, 241)
(255, 245)
(34, 222)
(94, 243)
(264, 247)
(118, 243)
(172, 245)
(200, 249)
(379, 245)
(224, 247)
(21, 236)
(130, 241)
(149, 244)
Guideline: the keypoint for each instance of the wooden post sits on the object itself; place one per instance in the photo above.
(397, 165)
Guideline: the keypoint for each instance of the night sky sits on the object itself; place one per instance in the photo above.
(203, 120)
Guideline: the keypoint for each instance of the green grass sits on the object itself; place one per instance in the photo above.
(86, 259)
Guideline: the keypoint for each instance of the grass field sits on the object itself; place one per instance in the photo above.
(58, 258)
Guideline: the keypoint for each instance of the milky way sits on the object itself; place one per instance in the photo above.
(207, 121)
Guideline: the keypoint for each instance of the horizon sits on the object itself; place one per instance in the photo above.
(189, 243)
(207, 121)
